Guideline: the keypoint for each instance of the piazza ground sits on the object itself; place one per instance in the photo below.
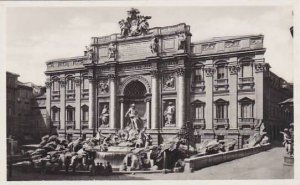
(264, 165)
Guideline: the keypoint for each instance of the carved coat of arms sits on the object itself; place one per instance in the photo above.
(135, 23)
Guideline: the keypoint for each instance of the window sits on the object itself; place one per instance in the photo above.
(198, 110)
(55, 114)
(221, 109)
(70, 84)
(85, 113)
(246, 108)
(55, 85)
(85, 83)
(221, 72)
(198, 76)
(246, 69)
(70, 113)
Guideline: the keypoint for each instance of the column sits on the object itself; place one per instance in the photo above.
(181, 97)
(148, 109)
(77, 103)
(154, 104)
(122, 113)
(112, 101)
(92, 103)
(48, 104)
(233, 94)
(209, 77)
(62, 103)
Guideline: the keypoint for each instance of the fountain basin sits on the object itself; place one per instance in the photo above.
(114, 155)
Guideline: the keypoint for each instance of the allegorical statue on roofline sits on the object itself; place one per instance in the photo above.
(135, 24)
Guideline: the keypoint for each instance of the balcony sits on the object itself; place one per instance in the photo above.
(84, 125)
(55, 92)
(198, 86)
(55, 124)
(221, 84)
(70, 125)
(245, 82)
(246, 123)
(221, 123)
(199, 124)
(72, 91)
(85, 93)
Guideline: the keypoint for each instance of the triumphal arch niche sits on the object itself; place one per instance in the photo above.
(144, 70)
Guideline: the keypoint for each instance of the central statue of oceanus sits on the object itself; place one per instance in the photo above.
(135, 24)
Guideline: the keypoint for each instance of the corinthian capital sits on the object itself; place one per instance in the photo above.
(209, 71)
(111, 76)
(234, 69)
(180, 71)
(77, 81)
(48, 84)
(154, 73)
(261, 67)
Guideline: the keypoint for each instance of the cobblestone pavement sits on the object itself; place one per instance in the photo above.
(264, 165)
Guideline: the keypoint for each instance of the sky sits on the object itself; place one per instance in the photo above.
(37, 34)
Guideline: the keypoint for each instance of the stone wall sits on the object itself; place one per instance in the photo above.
(197, 163)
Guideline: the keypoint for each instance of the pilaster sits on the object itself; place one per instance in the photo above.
(77, 103)
(233, 93)
(209, 77)
(62, 103)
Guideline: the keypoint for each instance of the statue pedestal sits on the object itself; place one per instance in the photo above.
(288, 160)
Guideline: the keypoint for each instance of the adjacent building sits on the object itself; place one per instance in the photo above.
(24, 108)
(223, 86)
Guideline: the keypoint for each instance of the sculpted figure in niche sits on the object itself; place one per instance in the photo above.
(170, 83)
(104, 116)
(103, 87)
(154, 45)
(112, 50)
(170, 114)
(135, 120)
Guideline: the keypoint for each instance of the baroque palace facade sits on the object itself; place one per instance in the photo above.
(222, 86)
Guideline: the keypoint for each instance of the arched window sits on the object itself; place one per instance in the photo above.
(70, 113)
(221, 109)
(246, 105)
(70, 83)
(198, 76)
(198, 110)
(85, 113)
(85, 83)
(55, 111)
(55, 85)
(246, 67)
